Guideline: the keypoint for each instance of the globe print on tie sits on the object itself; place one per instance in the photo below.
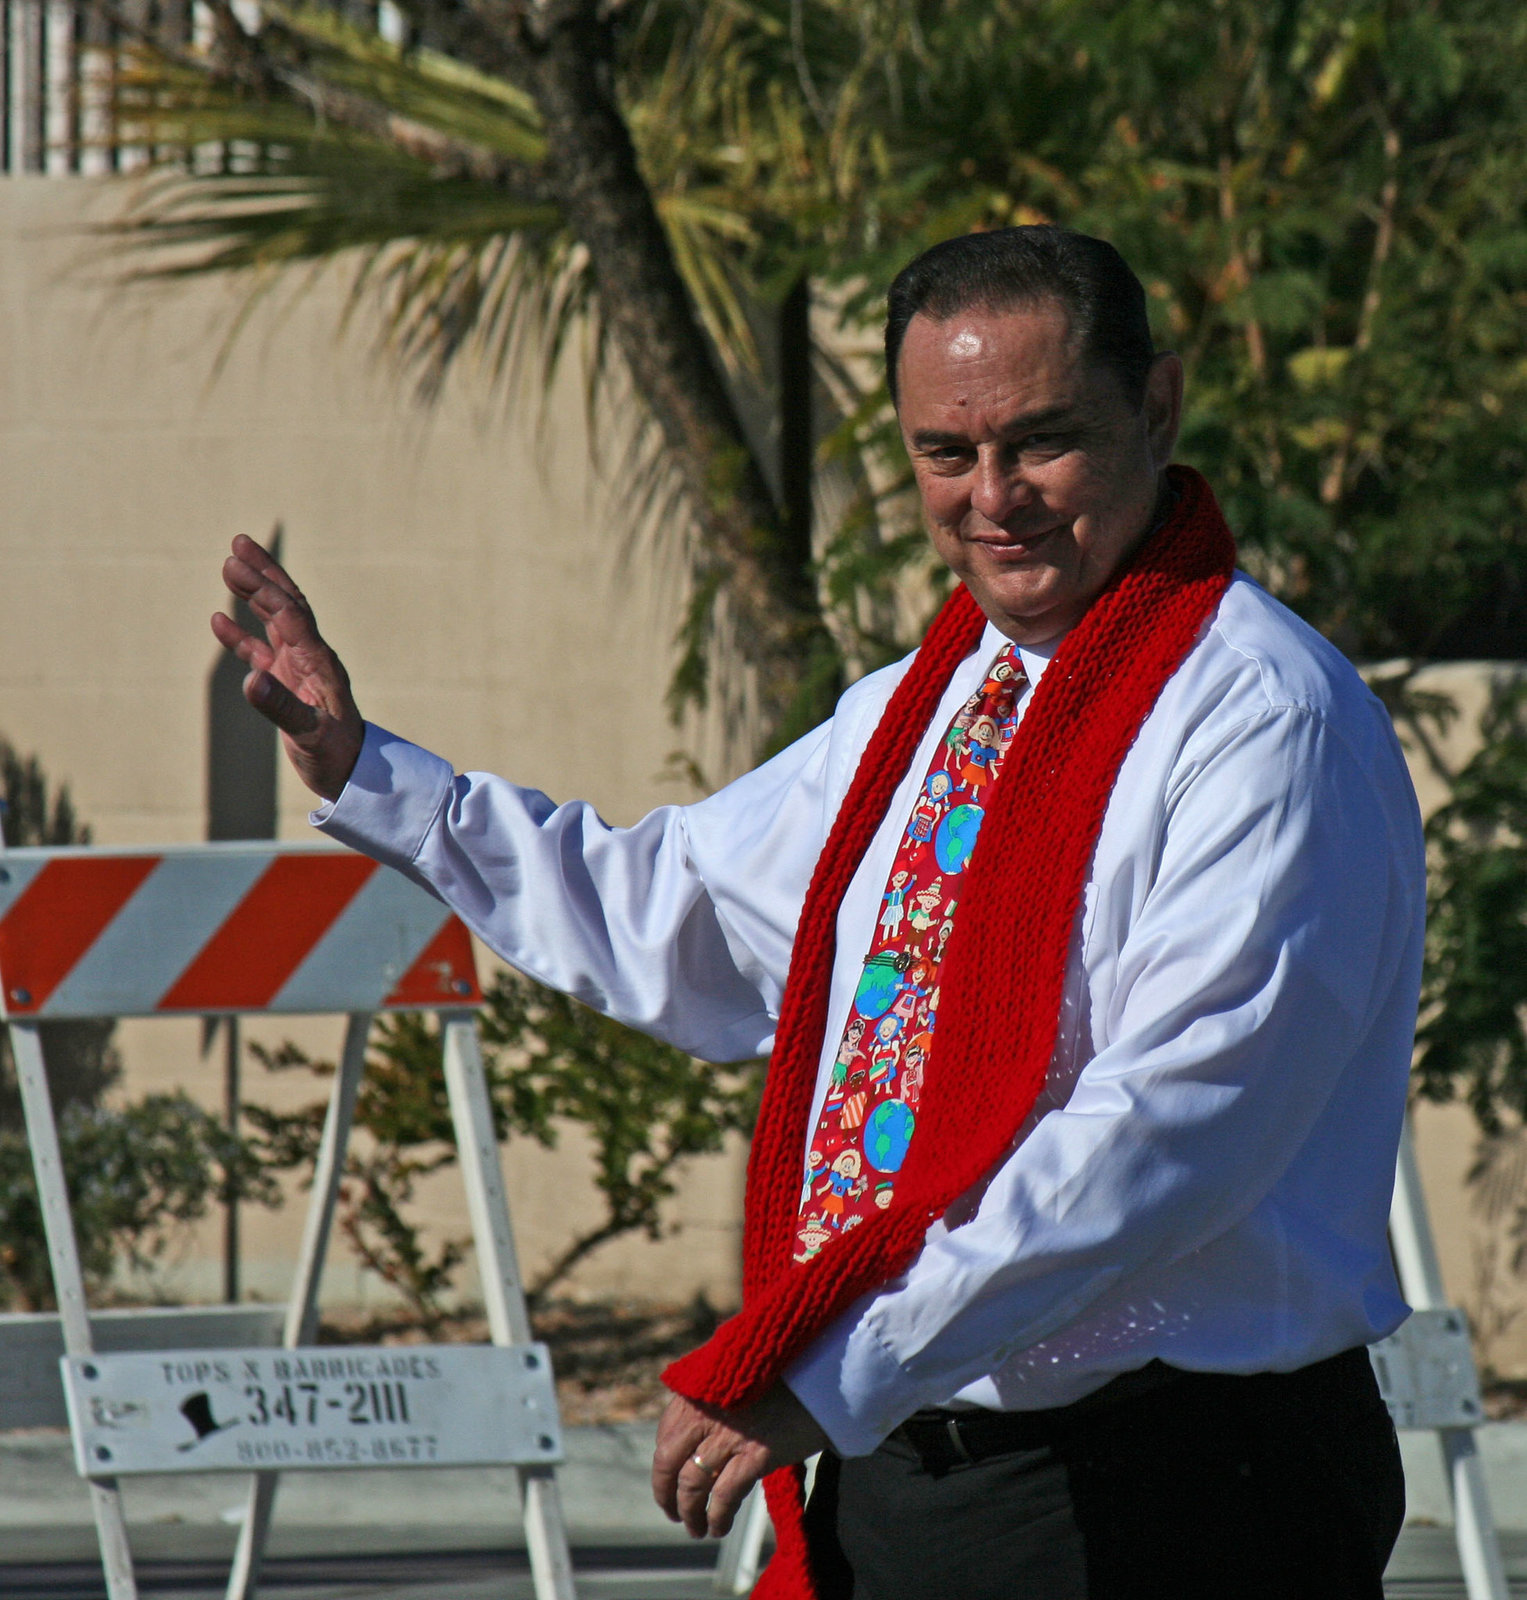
(887, 1135)
(878, 987)
(956, 837)
(868, 1119)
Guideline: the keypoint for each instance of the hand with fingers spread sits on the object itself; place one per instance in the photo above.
(707, 1459)
(295, 680)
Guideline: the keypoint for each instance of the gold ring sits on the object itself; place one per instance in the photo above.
(708, 1471)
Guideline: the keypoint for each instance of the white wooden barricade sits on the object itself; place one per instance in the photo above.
(1426, 1373)
(233, 929)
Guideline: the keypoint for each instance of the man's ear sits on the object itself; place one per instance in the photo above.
(1163, 406)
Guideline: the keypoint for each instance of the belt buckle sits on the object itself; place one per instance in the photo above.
(957, 1442)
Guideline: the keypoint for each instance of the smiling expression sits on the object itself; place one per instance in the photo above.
(1037, 475)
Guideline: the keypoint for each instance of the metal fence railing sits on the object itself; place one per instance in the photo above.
(51, 89)
(61, 59)
(58, 61)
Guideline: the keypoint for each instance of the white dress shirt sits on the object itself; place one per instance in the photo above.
(1206, 1177)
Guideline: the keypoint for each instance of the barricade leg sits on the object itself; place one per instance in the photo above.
(68, 1283)
(1484, 1573)
(502, 1287)
(302, 1310)
(1415, 1253)
(742, 1549)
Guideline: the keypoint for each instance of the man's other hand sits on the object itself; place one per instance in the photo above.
(707, 1459)
(294, 679)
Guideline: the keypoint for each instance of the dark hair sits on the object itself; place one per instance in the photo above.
(1025, 266)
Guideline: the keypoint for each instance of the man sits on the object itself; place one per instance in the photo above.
(1088, 1318)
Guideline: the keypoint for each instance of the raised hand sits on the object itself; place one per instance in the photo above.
(295, 679)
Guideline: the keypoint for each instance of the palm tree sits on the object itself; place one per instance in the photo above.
(1324, 197)
(482, 174)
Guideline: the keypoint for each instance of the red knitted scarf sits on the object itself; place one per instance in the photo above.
(1020, 894)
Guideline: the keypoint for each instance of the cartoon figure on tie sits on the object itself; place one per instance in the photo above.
(913, 1062)
(828, 1134)
(931, 805)
(980, 752)
(923, 906)
(842, 1184)
(954, 740)
(913, 987)
(815, 1162)
(852, 1034)
(895, 906)
(855, 1103)
(812, 1237)
(941, 938)
(886, 1052)
(828, 1139)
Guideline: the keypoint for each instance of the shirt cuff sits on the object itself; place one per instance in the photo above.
(852, 1385)
(392, 799)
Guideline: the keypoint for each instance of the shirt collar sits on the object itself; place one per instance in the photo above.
(1035, 657)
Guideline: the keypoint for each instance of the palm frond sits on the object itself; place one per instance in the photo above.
(426, 85)
(515, 301)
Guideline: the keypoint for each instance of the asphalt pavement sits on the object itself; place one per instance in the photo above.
(606, 1573)
(454, 1534)
(449, 1534)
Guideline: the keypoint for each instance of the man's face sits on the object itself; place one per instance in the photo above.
(1037, 476)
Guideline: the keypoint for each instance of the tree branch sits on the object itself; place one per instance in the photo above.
(560, 1265)
(568, 51)
(1383, 242)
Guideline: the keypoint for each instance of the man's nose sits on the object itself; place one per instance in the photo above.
(1000, 487)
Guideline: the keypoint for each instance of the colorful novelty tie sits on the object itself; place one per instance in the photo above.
(867, 1121)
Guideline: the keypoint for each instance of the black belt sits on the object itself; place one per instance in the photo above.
(946, 1438)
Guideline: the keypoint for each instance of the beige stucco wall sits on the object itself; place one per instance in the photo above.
(1476, 1252)
(468, 566)
(465, 561)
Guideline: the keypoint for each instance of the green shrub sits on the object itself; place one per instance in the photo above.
(1472, 1039)
(645, 1107)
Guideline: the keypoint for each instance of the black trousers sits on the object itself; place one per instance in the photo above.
(1280, 1486)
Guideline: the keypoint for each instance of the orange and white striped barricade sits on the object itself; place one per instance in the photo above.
(233, 929)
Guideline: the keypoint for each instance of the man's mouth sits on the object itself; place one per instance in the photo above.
(1013, 546)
